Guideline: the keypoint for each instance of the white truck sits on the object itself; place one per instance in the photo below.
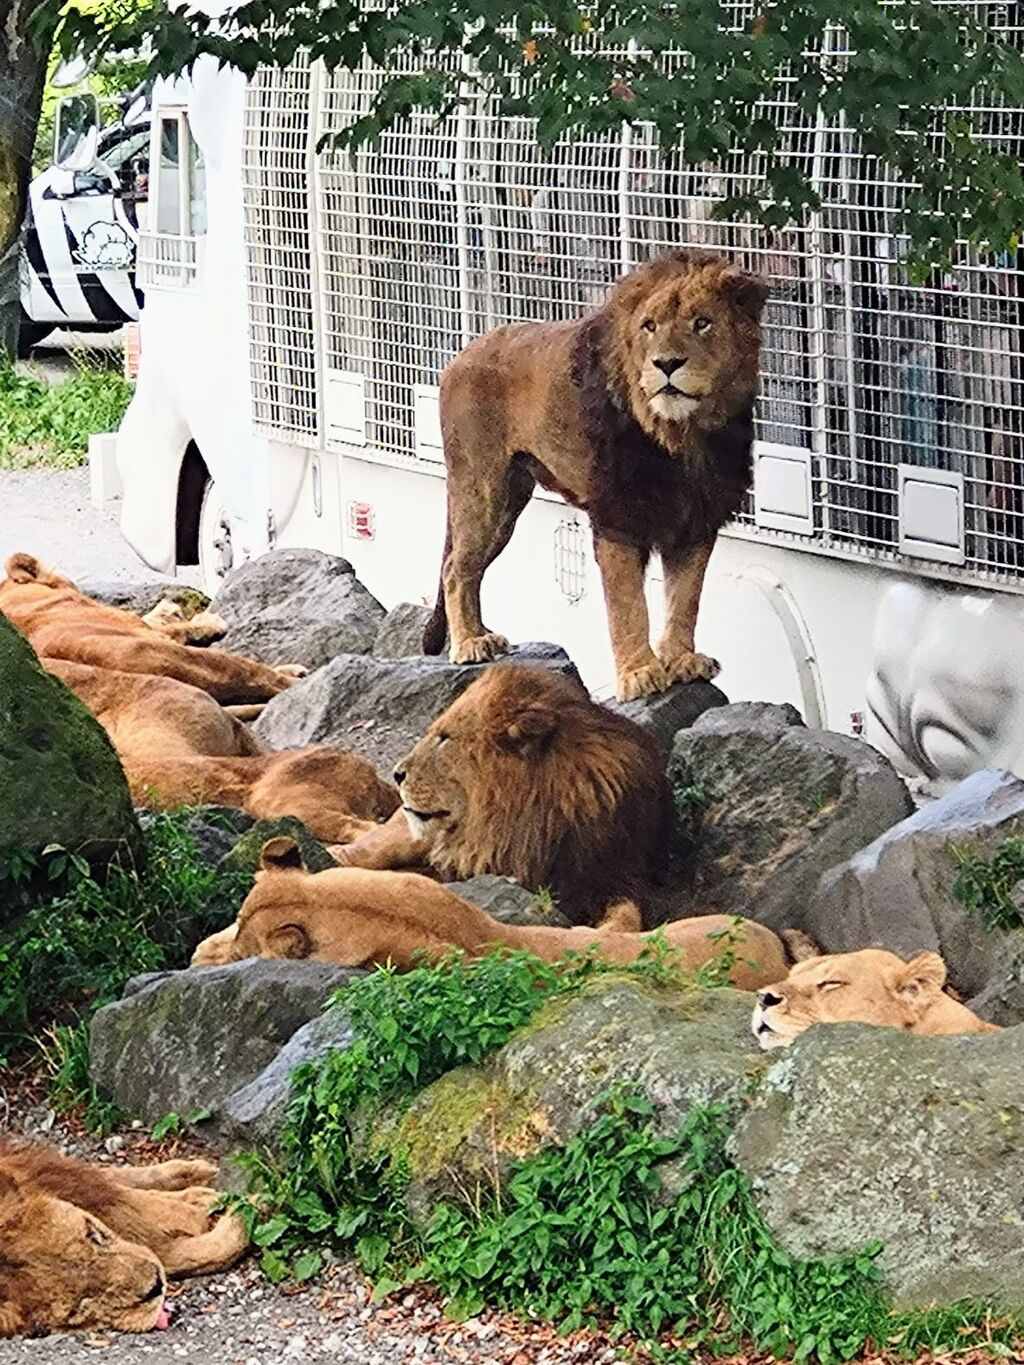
(300, 304)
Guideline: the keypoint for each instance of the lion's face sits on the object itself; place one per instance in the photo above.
(686, 341)
(62, 1269)
(463, 775)
(867, 987)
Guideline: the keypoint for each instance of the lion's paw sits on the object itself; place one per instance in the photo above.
(292, 671)
(690, 667)
(479, 649)
(642, 682)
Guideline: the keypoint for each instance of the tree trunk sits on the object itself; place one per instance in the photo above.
(22, 77)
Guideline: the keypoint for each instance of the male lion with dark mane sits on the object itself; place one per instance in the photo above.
(86, 1247)
(524, 776)
(641, 413)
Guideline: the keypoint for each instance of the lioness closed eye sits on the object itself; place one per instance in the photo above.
(641, 413)
(868, 987)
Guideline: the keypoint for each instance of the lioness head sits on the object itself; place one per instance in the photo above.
(867, 987)
(61, 1269)
(685, 342)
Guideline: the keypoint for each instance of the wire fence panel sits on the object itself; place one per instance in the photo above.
(276, 167)
(447, 228)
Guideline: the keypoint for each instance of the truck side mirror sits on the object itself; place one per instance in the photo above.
(76, 132)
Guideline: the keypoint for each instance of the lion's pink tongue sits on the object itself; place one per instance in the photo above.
(163, 1321)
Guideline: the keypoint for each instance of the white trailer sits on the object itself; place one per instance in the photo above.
(301, 303)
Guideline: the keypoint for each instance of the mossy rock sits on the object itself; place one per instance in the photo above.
(680, 1048)
(245, 856)
(60, 780)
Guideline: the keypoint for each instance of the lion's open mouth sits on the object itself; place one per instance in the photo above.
(670, 391)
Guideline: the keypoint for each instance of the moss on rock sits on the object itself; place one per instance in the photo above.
(60, 779)
(245, 856)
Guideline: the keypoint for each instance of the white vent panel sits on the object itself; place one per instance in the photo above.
(783, 498)
(931, 514)
(427, 416)
(345, 407)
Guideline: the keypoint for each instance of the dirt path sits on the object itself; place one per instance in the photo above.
(47, 513)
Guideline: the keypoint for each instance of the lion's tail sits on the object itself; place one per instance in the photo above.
(435, 632)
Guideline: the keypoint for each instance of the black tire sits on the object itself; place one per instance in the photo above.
(30, 335)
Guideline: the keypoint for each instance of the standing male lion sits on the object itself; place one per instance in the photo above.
(642, 414)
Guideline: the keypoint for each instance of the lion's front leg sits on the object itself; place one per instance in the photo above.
(638, 672)
(684, 578)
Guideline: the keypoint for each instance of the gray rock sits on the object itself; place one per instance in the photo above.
(143, 597)
(187, 1040)
(255, 1115)
(505, 900)
(244, 854)
(60, 780)
(863, 1134)
(297, 607)
(776, 805)
(666, 713)
(379, 707)
(401, 632)
(897, 893)
(679, 1048)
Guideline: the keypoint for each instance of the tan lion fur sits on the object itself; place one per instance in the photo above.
(366, 919)
(90, 1247)
(641, 413)
(63, 623)
(871, 986)
(336, 795)
(524, 776)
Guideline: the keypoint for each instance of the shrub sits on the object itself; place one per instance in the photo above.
(986, 885)
(50, 424)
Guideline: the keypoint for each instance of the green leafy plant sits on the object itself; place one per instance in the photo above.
(987, 886)
(44, 424)
(73, 949)
(65, 1053)
(170, 1126)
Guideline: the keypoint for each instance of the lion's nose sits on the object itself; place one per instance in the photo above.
(669, 364)
(767, 998)
(399, 776)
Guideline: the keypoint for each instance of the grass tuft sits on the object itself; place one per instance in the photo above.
(47, 426)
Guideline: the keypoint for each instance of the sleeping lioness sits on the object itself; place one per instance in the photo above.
(868, 987)
(366, 919)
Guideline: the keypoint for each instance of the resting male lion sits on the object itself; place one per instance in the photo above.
(867, 987)
(62, 623)
(642, 414)
(366, 919)
(524, 776)
(90, 1247)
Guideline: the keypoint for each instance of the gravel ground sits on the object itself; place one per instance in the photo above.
(47, 513)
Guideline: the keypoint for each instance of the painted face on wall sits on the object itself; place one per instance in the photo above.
(946, 693)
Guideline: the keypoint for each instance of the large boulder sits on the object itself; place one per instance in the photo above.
(184, 1041)
(256, 1114)
(863, 1134)
(60, 779)
(379, 707)
(774, 805)
(297, 607)
(898, 893)
(679, 1048)
(401, 632)
(245, 852)
(664, 714)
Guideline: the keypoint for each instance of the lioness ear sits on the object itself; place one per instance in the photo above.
(289, 940)
(748, 292)
(922, 978)
(281, 854)
(532, 728)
